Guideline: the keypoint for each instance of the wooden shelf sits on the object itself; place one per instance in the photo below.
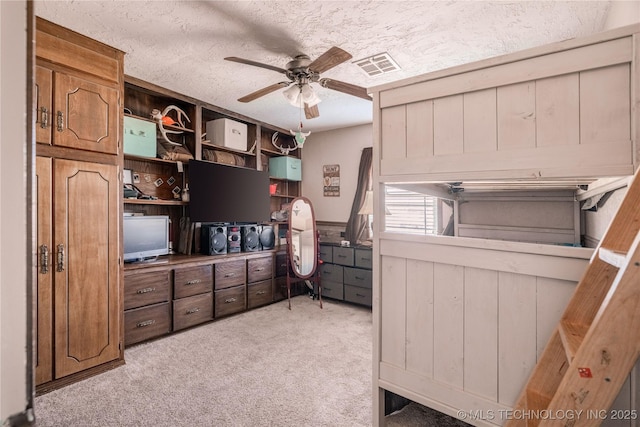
(170, 127)
(283, 196)
(208, 145)
(149, 159)
(155, 202)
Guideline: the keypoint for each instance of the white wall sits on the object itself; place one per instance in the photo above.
(13, 214)
(622, 13)
(342, 147)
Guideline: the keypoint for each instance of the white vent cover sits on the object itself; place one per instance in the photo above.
(381, 63)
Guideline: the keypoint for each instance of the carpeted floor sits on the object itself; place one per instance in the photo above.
(264, 367)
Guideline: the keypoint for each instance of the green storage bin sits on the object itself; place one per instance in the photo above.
(285, 167)
(139, 137)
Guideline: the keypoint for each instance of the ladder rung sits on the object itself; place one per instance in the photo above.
(617, 259)
(536, 402)
(572, 335)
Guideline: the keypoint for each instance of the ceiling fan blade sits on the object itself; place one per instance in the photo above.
(256, 64)
(262, 92)
(311, 112)
(329, 59)
(347, 88)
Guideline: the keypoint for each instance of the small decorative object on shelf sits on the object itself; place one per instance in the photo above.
(164, 119)
(185, 193)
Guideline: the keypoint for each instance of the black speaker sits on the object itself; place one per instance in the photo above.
(250, 238)
(213, 239)
(234, 239)
(267, 237)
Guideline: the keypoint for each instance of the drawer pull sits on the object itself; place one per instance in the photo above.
(261, 292)
(229, 300)
(193, 310)
(359, 278)
(258, 269)
(60, 121)
(193, 282)
(44, 259)
(229, 275)
(360, 295)
(365, 259)
(341, 256)
(326, 272)
(145, 290)
(145, 323)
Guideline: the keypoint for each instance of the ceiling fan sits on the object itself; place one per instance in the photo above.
(301, 72)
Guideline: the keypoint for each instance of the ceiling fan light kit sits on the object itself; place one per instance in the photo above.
(301, 72)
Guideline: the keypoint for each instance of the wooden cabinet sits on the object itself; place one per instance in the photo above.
(147, 308)
(76, 113)
(79, 308)
(230, 287)
(81, 269)
(193, 296)
(259, 281)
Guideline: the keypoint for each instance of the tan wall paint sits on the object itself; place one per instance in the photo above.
(343, 147)
(622, 13)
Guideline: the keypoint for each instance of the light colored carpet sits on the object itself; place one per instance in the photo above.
(265, 367)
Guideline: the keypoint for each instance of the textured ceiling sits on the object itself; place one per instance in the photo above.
(180, 45)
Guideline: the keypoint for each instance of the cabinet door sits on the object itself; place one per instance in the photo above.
(44, 275)
(86, 115)
(87, 299)
(43, 99)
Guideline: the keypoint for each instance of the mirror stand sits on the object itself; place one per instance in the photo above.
(303, 246)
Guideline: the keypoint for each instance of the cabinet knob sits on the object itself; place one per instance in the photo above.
(60, 266)
(44, 259)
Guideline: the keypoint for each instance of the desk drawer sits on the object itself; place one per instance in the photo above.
(231, 300)
(343, 255)
(332, 290)
(146, 289)
(228, 274)
(357, 295)
(192, 281)
(259, 269)
(357, 277)
(259, 293)
(192, 310)
(147, 322)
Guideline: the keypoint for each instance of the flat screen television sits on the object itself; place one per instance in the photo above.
(223, 193)
(145, 237)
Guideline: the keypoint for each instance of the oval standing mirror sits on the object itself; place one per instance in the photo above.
(303, 245)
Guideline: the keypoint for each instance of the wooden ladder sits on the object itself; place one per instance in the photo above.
(594, 347)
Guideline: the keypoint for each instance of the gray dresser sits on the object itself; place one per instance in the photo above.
(346, 273)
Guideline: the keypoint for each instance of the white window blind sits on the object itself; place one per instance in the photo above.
(410, 212)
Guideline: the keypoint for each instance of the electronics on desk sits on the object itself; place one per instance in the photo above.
(234, 239)
(267, 237)
(213, 239)
(250, 238)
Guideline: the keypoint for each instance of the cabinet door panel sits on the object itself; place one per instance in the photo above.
(43, 95)
(86, 115)
(87, 306)
(44, 275)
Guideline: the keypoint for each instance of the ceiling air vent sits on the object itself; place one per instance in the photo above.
(378, 64)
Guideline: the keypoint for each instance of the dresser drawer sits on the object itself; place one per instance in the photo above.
(259, 269)
(281, 265)
(146, 288)
(357, 295)
(326, 253)
(228, 274)
(331, 272)
(357, 277)
(343, 255)
(259, 293)
(279, 288)
(147, 322)
(192, 310)
(192, 281)
(229, 301)
(363, 258)
(332, 290)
